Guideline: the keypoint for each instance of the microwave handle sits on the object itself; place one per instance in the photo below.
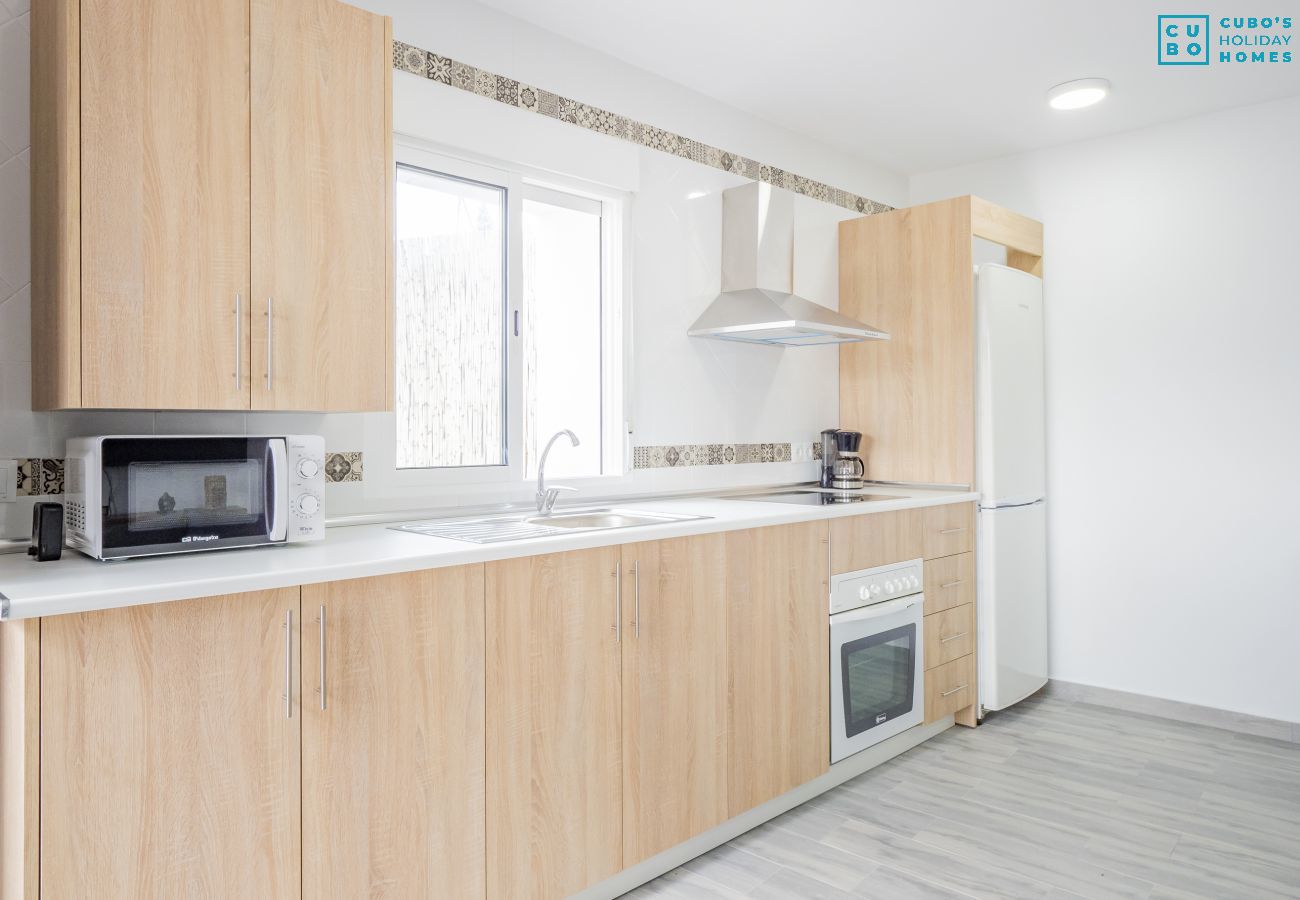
(877, 610)
(279, 472)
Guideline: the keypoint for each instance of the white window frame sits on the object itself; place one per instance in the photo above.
(520, 182)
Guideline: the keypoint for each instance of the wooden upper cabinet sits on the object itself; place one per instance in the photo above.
(910, 273)
(674, 692)
(322, 180)
(169, 764)
(778, 644)
(212, 205)
(164, 203)
(554, 760)
(393, 748)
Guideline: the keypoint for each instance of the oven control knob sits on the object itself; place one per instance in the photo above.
(890, 587)
(863, 593)
(308, 468)
(875, 590)
(914, 581)
(308, 504)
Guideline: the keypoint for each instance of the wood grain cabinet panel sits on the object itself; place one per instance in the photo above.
(674, 692)
(949, 635)
(949, 582)
(875, 539)
(322, 205)
(948, 529)
(554, 756)
(164, 203)
(950, 688)
(393, 747)
(778, 637)
(169, 762)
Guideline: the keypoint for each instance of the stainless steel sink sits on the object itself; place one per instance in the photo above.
(515, 528)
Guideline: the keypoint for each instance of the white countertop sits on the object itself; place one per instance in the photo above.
(77, 583)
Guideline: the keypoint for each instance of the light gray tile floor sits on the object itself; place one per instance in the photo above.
(1051, 799)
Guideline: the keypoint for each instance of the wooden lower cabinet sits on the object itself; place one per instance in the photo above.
(554, 725)
(778, 646)
(393, 672)
(169, 765)
(674, 692)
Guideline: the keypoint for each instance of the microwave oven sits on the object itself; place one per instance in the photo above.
(147, 495)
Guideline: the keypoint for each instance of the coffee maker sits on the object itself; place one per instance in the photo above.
(842, 467)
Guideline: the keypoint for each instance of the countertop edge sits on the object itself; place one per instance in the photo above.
(272, 568)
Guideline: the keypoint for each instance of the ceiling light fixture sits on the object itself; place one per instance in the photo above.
(1078, 93)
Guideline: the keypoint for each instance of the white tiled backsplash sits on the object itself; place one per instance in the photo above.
(739, 396)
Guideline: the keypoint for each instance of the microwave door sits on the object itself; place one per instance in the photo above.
(277, 488)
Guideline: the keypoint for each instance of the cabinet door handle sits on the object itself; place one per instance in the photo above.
(288, 664)
(618, 601)
(636, 597)
(951, 584)
(953, 638)
(320, 620)
(960, 687)
(270, 341)
(239, 339)
(953, 530)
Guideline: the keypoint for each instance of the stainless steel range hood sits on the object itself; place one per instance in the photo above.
(757, 304)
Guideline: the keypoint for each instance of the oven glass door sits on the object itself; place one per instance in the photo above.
(879, 678)
(163, 495)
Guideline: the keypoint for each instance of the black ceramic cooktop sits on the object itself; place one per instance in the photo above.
(817, 498)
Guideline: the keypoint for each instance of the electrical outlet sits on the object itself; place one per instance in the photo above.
(8, 480)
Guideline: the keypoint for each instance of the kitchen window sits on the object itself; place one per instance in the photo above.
(508, 322)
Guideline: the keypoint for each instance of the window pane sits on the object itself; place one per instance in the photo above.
(562, 336)
(450, 300)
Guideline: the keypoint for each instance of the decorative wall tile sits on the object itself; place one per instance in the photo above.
(443, 69)
(39, 477)
(29, 483)
(341, 466)
(51, 475)
(676, 456)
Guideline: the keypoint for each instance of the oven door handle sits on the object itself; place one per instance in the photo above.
(876, 610)
(278, 472)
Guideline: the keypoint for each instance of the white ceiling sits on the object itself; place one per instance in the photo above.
(918, 86)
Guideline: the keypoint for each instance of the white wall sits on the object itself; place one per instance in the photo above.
(1173, 386)
(735, 394)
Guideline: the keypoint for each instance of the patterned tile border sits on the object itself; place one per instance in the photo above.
(343, 465)
(676, 456)
(444, 70)
(40, 477)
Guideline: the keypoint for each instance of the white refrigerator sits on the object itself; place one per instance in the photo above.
(1011, 598)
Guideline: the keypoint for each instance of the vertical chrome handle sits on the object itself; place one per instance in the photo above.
(618, 601)
(239, 339)
(270, 341)
(636, 596)
(288, 664)
(321, 690)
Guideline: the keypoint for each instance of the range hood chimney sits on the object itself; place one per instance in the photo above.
(757, 304)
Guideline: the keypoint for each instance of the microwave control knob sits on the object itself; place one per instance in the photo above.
(308, 504)
(308, 468)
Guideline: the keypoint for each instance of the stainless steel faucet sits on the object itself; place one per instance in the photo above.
(546, 496)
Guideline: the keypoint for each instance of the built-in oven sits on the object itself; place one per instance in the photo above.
(877, 655)
(144, 495)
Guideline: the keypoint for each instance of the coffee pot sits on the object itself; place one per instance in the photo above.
(842, 467)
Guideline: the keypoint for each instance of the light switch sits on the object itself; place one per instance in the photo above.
(8, 480)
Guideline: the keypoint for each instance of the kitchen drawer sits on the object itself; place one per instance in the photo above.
(949, 582)
(949, 529)
(949, 688)
(949, 635)
(875, 539)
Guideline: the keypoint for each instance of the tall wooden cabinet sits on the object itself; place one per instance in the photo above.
(393, 710)
(675, 652)
(169, 750)
(554, 756)
(910, 272)
(212, 205)
(778, 639)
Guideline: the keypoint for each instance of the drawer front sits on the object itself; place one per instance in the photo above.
(948, 529)
(949, 582)
(949, 688)
(949, 635)
(874, 539)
